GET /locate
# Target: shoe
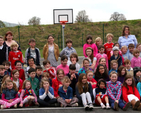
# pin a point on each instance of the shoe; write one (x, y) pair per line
(91, 106)
(135, 104)
(86, 107)
(108, 107)
(15, 106)
(139, 108)
(103, 106)
(127, 105)
(74, 105)
(116, 106)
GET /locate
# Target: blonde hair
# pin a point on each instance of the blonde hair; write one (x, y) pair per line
(66, 80)
(124, 47)
(113, 72)
(113, 61)
(13, 44)
(135, 51)
(24, 84)
(98, 39)
(109, 34)
(45, 74)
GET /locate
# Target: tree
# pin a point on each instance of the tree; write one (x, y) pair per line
(82, 17)
(2, 24)
(34, 21)
(117, 17)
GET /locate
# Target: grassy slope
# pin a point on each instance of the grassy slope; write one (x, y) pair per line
(77, 32)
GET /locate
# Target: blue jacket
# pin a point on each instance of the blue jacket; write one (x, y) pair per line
(9, 94)
(42, 91)
(66, 95)
(119, 59)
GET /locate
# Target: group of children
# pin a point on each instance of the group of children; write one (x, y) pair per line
(108, 77)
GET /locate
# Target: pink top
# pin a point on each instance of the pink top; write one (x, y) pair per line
(98, 56)
(65, 68)
(93, 46)
(135, 62)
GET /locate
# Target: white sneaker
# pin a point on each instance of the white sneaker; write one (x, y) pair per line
(86, 107)
(108, 107)
(103, 106)
(91, 106)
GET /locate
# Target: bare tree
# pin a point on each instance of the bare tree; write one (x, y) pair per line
(2, 24)
(34, 21)
(82, 17)
(117, 17)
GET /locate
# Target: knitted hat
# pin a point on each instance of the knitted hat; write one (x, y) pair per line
(115, 48)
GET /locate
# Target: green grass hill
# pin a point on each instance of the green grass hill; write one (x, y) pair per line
(77, 32)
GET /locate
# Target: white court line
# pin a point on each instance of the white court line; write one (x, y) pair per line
(56, 108)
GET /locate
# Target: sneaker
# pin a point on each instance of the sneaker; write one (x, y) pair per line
(91, 106)
(108, 107)
(116, 106)
(86, 107)
(127, 105)
(103, 106)
(15, 106)
(74, 105)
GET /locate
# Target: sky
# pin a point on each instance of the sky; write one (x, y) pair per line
(20, 11)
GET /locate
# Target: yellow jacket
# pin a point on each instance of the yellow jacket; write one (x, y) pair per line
(56, 51)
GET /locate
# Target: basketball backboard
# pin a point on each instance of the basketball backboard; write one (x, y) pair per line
(63, 15)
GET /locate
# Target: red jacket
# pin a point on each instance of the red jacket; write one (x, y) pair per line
(94, 82)
(108, 49)
(14, 56)
(55, 85)
(126, 92)
(20, 83)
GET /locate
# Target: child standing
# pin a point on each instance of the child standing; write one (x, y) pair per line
(3, 51)
(15, 78)
(84, 92)
(73, 77)
(114, 66)
(34, 81)
(39, 71)
(27, 94)
(46, 94)
(108, 46)
(32, 51)
(130, 93)
(89, 43)
(121, 73)
(9, 95)
(136, 60)
(48, 68)
(63, 65)
(98, 42)
(85, 67)
(18, 66)
(68, 50)
(129, 69)
(116, 56)
(131, 49)
(114, 89)
(100, 94)
(66, 94)
(15, 55)
(57, 82)
(100, 55)
(90, 79)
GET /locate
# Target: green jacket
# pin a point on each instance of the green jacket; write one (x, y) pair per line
(35, 85)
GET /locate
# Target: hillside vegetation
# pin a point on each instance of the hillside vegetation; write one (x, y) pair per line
(77, 32)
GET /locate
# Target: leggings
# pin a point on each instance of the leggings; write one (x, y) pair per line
(86, 97)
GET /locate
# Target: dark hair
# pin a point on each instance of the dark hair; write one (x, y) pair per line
(50, 36)
(1, 37)
(39, 68)
(64, 57)
(74, 55)
(17, 62)
(99, 81)
(120, 69)
(135, 51)
(138, 45)
(86, 60)
(2, 67)
(68, 41)
(115, 43)
(31, 58)
(127, 61)
(136, 69)
(91, 56)
(9, 32)
(72, 67)
(45, 62)
(123, 31)
(98, 75)
(31, 40)
(131, 45)
(101, 46)
(89, 37)
(31, 70)
(6, 63)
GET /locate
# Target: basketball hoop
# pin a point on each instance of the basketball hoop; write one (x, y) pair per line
(63, 23)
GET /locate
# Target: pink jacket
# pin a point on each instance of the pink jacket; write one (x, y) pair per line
(93, 46)
(98, 56)
(135, 62)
